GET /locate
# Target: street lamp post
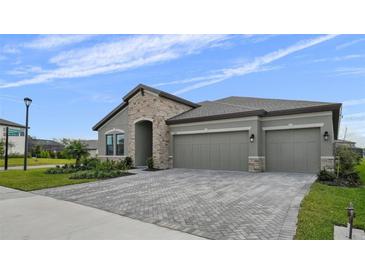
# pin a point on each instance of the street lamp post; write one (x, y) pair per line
(27, 102)
(6, 148)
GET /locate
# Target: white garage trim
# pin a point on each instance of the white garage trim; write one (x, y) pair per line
(296, 116)
(291, 126)
(211, 130)
(224, 121)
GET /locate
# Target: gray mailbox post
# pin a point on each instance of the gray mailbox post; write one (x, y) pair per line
(351, 215)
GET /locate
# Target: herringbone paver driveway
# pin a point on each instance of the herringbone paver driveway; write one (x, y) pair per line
(206, 203)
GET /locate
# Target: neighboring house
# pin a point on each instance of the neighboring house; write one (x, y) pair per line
(344, 143)
(233, 133)
(351, 145)
(16, 136)
(44, 144)
(92, 147)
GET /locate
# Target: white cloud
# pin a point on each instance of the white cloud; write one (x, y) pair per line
(348, 44)
(355, 102)
(10, 49)
(338, 58)
(55, 41)
(126, 53)
(256, 65)
(352, 71)
(355, 125)
(25, 70)
(354, 118)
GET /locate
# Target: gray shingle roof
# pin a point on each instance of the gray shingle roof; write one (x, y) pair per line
(4, 122)
(253, 106)
(91, 144)
(270, 104)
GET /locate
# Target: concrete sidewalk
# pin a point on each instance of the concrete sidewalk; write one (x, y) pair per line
(24, 215)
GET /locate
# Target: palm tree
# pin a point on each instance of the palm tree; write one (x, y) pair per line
(76, 149)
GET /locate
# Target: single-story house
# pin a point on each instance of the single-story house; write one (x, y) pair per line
(91, 146)
(16, 133)
(349, 144)
(232, 133)
(44, 144)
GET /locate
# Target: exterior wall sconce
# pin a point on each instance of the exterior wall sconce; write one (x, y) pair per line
(326, 136)
(252, 138)
(142, 92)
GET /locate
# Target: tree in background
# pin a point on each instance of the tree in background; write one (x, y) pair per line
(77, 150)
(2, 148)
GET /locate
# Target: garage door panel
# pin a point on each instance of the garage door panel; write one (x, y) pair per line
(293, 150)
(221, 151)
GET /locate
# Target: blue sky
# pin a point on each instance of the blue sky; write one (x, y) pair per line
(75, 80)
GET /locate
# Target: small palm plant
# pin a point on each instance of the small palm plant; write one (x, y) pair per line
(76, 150)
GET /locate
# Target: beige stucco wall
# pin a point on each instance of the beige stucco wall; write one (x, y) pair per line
(256, 125)
(118, 122)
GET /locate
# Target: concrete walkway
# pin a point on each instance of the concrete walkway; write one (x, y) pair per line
(24, 215)
(29, 167)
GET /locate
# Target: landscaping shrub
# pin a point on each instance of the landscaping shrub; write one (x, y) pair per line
(90, 163)
(347, 173)
(44, 154)
(150, 163)
(350, 179)
(61, 170)
(2, 148)
(98, 174)
(326, 176)
(348, 160)
(128, 162)
(92, 168)
(16, 155)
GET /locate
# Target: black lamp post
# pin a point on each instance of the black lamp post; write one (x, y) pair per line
(27, 102)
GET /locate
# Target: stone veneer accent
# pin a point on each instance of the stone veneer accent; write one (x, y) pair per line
(328, 163)
(159, 109)
(256, 163)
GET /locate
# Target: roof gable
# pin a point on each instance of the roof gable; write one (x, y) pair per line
(133, 92)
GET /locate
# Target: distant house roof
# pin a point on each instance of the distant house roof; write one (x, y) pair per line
(91, 144)
(4, 122)
(132, 93)
(46, 144)
(345, 142)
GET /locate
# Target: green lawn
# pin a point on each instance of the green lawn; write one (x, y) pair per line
(36, 162)
(34, 179)
(361, 169)
(325, 206)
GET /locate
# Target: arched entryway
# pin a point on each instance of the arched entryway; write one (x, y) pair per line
(143, 142)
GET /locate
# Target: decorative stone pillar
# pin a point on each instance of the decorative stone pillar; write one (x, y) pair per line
(328, 163)
(256, 163)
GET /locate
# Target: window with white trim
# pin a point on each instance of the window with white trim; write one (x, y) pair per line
(119, 140)
(109, 144)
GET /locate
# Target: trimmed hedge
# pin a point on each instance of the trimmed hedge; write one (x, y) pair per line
(98, 174)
